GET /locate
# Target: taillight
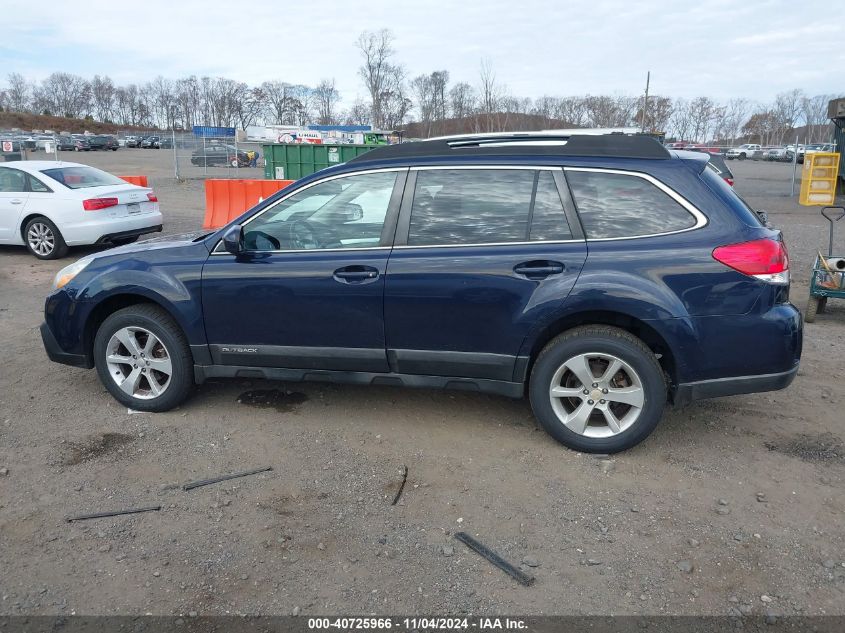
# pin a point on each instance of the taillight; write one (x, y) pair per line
(730, 181)
(764, 259)
(152, 197)
(95, 204)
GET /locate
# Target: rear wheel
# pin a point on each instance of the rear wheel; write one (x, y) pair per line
(43, 239)
(597, 389)
(742, 157)
(143, 358)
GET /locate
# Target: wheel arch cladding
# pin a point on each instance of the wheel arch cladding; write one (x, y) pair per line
(647, 332)
(116, 302)
(26, 220)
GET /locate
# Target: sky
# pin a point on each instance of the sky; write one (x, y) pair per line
(718, 48)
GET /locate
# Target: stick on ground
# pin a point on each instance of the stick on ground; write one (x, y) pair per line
(521, 577)
(214, 480)
(99, 515)
(401, 486)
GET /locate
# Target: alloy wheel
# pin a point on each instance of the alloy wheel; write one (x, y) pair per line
(139, 363)
(41, 239)
(597, 395)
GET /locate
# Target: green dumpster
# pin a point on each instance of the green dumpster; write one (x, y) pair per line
(292, 161)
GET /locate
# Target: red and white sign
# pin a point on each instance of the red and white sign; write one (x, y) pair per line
(7, 146)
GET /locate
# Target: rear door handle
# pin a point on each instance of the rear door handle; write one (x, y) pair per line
(356, 274)
(538, 269)
(16, 201)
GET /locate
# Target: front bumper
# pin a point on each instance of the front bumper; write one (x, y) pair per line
(58, 355)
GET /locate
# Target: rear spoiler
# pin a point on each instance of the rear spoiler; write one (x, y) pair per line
(696, 160)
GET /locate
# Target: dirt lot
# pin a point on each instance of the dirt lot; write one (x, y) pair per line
(732, 506)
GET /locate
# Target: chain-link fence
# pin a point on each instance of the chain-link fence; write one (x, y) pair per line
(200, 157)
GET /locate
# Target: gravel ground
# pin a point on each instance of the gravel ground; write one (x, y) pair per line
(732, 505)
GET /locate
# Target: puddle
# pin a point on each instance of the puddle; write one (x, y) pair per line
(272, 399)
(95, 446)
(811, 448)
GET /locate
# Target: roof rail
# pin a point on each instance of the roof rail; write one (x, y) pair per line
(551, 143)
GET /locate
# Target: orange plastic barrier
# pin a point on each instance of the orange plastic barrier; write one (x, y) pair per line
(141, 181)
(227, 199)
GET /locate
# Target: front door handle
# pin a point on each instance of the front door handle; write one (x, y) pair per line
(356, 274)
(16, 201)
(538, 269)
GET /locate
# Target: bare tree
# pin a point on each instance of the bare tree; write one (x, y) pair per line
(814, 111)
(102, 97)
(64, 94)
(462, 100)
(358, 114)
(787, 111)
(489, 96)
(326, 98)
(19, 93)
(378, 73)
(657, 115)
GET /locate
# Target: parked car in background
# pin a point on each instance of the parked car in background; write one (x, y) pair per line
(742, 152)
(165, 142)
(716, 162)
(48, 206)
(814, 148)
(65, 143)
(150, 142)
(602, 278)
(103, 142)
(701, 147)
(42, 141)
(220, 154)
(81, 144)
(133, 141)
(774, 153)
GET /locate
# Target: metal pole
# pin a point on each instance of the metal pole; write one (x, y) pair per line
(204, 155)
(794, 166)
(175, 155)
(645, 101)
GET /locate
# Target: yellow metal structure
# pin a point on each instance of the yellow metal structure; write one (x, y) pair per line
(818, 179)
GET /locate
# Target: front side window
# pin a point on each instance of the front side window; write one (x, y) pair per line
(621, 205)
(346, 212)
(12, 181)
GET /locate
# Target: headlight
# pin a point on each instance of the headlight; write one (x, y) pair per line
(66, 274)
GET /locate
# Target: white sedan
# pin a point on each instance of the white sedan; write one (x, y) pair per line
(48, 206)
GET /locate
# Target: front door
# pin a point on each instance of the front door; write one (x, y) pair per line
(13, 197)
(308, 290)
(481, 255)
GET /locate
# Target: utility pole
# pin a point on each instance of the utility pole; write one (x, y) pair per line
(645, 102)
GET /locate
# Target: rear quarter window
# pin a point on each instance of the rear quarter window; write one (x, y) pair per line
(615, 205)
(730, 197)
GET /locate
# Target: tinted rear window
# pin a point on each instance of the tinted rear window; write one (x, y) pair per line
(82, 177)
(620, 205)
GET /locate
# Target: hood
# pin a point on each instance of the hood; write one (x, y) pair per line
(158, 242)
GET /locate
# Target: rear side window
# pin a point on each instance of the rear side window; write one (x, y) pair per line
(730, 197)
(485, 206)
(82, 177)
(620, 205)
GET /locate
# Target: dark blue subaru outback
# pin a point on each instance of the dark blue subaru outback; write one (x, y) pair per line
(601, 276)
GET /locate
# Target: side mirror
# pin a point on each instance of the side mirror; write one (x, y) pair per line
(352, 212)
(233, 239)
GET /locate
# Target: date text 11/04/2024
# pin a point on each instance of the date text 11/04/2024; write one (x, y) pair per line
(418, 623)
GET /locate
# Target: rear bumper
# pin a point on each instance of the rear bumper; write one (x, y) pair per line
(96, 230)
(688, 392)
(121, 235)
(56, 354)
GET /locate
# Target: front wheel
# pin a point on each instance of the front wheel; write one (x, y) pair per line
(597, 389)
(742, 157)
(143, 358)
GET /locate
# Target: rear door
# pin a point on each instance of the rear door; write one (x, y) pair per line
(13, 197)
(481, 255)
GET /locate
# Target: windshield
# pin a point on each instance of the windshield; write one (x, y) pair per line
(82, 177)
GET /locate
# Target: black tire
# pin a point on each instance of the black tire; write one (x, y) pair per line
(812, 309)
(153, 319)
(59, 249)
(742, 157)
(822, 305)
(598, 339)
